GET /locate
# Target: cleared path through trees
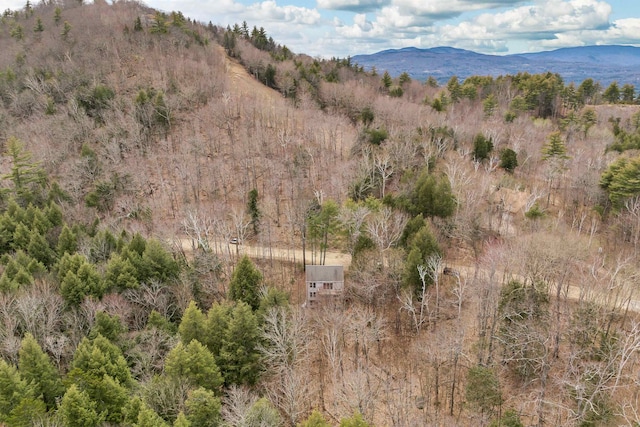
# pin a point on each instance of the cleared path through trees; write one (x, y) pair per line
(621, 299)
(269, 252)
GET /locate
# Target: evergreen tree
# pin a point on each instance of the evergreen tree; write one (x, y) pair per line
(628, 93)
(28, 178)
(17, 32)
(66, 29)
(203, 408)
(432, 196)
(137, 24)
(194, 363)
(482, 147)
(15, 393)
(355, 420)
(102, 371)
(131, 410)
(489, 105)
(96, 357)
(159, 322)
(509, 418)
(28, 412)
(36, 368)
(612, 93)
(263, 414)
(421, 246)
(240, 358)
(39, 27)
(554, 148)
(245, 283)
(159, 24)
(67, 241)
(254, 211)
(272, 298)
(455, 90)
(431, 82)
(8, 222)
(620, 180)
(193, 325)
(111, 397)
(508, 160)
(181, 421)
(19, 271)
(438, 104)
(229, 43)
(78, 410)
(411, 277)
(120, 274)
(322, 222)
(410, 229)
(588, 119)
(315, 420)
(217, 324)
(21, 237)
(157, 263)
(81, 282)
(110, 327)
(137, 244)
(39, 249)
(483, 389)
(386, 80)
(147, 417)
(587, 91)
(57, 15)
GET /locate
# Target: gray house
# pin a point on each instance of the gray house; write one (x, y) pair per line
(323, 282)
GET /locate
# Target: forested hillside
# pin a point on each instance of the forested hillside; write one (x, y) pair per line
(493, 228)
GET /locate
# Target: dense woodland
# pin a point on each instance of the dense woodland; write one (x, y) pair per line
(492, 227)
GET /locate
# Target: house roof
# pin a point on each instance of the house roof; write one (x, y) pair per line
(324, 273)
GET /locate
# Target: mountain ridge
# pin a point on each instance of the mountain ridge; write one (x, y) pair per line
(602, 63)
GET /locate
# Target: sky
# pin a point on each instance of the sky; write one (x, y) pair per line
(341, 28)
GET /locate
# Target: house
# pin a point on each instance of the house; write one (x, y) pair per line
(323, 282)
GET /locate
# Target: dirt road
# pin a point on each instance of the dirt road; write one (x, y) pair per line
(623, 298)
(626, 299)
(267, 253)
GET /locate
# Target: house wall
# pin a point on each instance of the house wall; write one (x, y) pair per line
(323, 281)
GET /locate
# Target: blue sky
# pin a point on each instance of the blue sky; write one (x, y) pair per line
(339, 28)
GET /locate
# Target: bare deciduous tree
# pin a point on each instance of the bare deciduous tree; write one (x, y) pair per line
(384, 167)
(199, 229)
(385, 228)
(236, 404)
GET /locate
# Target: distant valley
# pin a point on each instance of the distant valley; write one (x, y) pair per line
(604, 64)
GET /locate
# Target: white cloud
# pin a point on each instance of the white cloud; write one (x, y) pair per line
(445, 9)
(353, 5)
(623, 31)
(544, 23)
(270, 11)
(548, 23)
(12, 4)
(545, 17)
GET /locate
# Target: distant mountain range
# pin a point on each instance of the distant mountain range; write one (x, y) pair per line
(604, 64)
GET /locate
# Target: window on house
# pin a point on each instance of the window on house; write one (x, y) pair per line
(328, 286)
